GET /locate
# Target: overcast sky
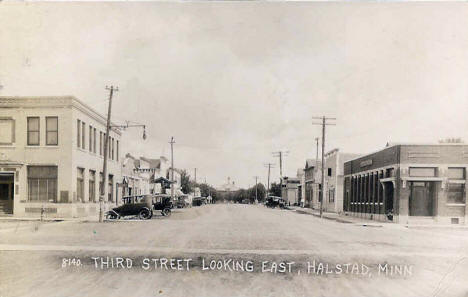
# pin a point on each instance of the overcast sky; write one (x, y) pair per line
(234, 82)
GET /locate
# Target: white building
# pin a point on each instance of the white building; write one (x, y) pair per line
(51, 157)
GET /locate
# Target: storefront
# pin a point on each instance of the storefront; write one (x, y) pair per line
(414, 184)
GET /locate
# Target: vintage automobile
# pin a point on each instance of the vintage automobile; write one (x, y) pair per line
(163, 203)
(140, 206)
(183, 201)
(273, 201)
(198, 201)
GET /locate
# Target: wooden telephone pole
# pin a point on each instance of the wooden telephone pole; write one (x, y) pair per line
(111, 89)
(269, 166)
(323, 123)
(172, 168)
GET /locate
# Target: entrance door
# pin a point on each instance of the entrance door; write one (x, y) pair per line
(421, 201)
(6, 193)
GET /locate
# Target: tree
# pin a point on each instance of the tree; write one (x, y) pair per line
(275, 189)
(185, 184)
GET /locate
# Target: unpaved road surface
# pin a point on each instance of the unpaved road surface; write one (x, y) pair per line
(277, 253)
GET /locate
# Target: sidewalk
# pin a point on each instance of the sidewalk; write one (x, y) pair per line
(342, 218)
(371, 223)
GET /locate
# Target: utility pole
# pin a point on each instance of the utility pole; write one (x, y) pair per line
(102, 195)
(269, 166)
(323, 123)
(195, 175)
(256, 189)
(281, 154)
(316, 158)
(172, 168)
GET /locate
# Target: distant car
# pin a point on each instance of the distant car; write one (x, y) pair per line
(140, 206)
(162, 203)
(245, 201)
(273, 201)
(183, 201)
(198, 201)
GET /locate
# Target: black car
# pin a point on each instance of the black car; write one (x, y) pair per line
(198, 201)
(162, 203)
(140, 206)
(274, 201)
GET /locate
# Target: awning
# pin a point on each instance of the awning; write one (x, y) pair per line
(161, 180)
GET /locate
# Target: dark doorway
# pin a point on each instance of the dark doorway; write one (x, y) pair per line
(6, 193)
(389, 193)
(421, 200)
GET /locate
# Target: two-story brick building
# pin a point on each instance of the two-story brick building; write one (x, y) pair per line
(409, 183)
(51, 157)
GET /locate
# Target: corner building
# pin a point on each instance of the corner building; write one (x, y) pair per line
(409, 184)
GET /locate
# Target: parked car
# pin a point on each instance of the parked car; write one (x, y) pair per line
(140, 206)
(183, 201)
(162, 203)
(273, 201)
(198, 201)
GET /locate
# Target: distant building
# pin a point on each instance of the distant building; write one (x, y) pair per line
(301, 187)
(312, 180)
(230, 186)
(51, 158)
(334, 178)
(289, 190)
(409, 183)
(226, 190)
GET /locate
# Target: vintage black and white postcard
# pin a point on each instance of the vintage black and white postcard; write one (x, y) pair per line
(233, 148)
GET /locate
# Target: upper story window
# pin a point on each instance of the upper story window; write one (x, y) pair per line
(33, 130)
(7, 131)
(83, 135)
(78, 133)
(329, 173)
(90, 138)
(52, 130)
(94, 140)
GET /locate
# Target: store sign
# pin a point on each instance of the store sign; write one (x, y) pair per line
(366, 163)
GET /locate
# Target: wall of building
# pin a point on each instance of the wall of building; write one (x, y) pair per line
(65, 155)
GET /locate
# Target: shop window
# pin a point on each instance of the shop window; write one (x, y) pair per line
(33, 130)
(92, 185)
(80, 184)
(422, 171)
(111, 188)
(52, 130)
(101, 184)
(456, 193)
(456, 173)
(42, 183)
(7, 131)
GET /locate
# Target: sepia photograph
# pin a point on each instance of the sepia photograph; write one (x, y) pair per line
(233, 148)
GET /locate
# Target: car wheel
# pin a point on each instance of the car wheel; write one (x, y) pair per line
(166, 212)
(111, 216)
(144, 214)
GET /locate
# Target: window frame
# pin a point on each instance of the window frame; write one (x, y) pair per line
(38, 131)
(56, 131)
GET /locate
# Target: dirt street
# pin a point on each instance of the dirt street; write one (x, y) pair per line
(231, 250)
